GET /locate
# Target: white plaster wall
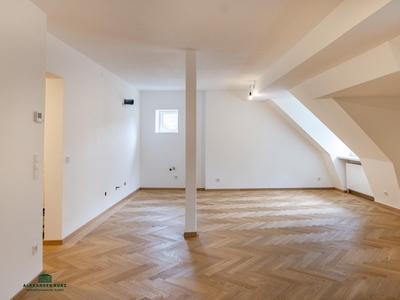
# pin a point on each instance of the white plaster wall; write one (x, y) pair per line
(383, 181)
(162, 151)
(249, 145)
(356, 179)
(339, 122)
(22, 90)
(379, 118)
(309, 126)
(101, 136)
(377, 166)
(366, 124)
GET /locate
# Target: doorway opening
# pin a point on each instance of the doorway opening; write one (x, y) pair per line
(53, 160)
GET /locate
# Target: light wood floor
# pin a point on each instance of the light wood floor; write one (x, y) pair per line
(252, 245)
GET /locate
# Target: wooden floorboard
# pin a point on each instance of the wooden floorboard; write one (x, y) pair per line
(266, 244)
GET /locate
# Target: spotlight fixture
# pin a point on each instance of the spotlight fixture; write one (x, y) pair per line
(251, 90)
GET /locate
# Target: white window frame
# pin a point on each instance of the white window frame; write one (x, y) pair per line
(160, 113)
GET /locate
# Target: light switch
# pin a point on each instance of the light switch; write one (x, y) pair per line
(35, 166)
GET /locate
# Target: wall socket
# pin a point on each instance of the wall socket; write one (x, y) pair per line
(318, 178)
(216, 179)
(35, 248)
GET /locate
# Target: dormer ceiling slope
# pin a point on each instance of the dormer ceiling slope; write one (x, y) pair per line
(347, 32)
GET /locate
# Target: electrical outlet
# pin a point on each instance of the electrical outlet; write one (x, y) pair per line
(176, 177)
(216, 179)
(35, 248)
(318, 178)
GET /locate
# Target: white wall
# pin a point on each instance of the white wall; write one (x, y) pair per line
(380, 120)
(101, 136)
(249, 145)
(309, 126)
(362, 119)
(356, 179)
(22, 88)
(162, 151)
(246, 145)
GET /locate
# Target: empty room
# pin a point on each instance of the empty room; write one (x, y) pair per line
(200, 149)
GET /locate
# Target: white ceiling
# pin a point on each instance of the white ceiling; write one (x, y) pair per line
(144, 41)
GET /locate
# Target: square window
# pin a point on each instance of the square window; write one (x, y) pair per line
(167, 121)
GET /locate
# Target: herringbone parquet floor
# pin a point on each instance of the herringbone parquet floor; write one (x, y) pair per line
(305, 244)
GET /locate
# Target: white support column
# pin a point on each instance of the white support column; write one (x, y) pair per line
(191, 189)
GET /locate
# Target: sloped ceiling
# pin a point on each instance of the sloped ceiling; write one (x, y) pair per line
(143, 41)
(385, 87)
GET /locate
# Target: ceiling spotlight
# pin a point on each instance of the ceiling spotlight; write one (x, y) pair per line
(251, 90)
(250, 96)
